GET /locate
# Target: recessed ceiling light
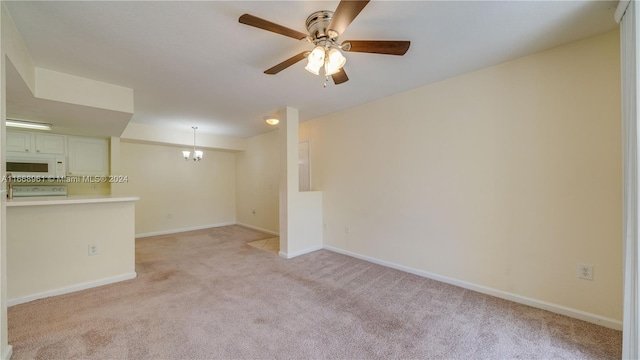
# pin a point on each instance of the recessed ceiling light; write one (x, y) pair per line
(271, 120)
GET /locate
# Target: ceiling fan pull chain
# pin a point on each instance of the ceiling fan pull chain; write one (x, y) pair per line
(326, 78)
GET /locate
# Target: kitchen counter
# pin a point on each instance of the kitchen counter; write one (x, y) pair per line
(58, 244)
(66, 200)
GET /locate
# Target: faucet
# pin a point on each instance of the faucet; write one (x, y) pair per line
(9, 180)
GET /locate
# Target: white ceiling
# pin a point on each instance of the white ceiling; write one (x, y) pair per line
(192, 63)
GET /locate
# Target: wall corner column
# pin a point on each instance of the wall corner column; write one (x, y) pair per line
(287, 144)
(300, 212)
(628, 14)
(5, 348)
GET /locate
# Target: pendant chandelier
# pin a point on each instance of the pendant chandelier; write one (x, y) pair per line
(197, 154)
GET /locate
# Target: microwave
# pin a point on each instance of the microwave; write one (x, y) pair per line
(36, 165)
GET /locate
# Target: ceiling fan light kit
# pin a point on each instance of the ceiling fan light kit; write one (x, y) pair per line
(324, 28)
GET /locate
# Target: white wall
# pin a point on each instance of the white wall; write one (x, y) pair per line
(52, 257)
(11, 46)
(14, 48)
(176, 194)
(506, 178)
(67, 88)
(180, 137)
(257, 171)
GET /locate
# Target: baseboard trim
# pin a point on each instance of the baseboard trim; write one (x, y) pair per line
(73, 288)
(259, 229)
(8, 352)
(175, 231)
(555, 308)
(298, 253)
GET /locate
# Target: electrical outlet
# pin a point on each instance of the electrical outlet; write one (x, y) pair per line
(169, 216)
(253, 211)
(347, 229)
(585, 272)
(93, 249)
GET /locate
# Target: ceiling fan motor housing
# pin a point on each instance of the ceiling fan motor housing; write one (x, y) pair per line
(318, 22)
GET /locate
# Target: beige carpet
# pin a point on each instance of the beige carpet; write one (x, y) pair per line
(207, 295)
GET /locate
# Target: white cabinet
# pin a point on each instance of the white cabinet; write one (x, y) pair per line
(49, 144)
(26, 142)
(19, 141)
(88, 156)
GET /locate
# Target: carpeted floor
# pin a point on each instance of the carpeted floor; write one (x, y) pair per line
(207, 295)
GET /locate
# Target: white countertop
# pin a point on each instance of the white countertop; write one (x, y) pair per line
(67, 200)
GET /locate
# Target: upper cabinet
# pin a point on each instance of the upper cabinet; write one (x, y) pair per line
(19, 141)
(26, 142)
(88, 156)
(49, 144)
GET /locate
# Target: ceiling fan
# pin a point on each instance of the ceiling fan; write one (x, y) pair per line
(324, 28)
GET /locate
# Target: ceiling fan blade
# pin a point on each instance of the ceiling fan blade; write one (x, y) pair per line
(340, 77)
(285, 64)
(346, 11)
(388, 47)
(254, 21)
